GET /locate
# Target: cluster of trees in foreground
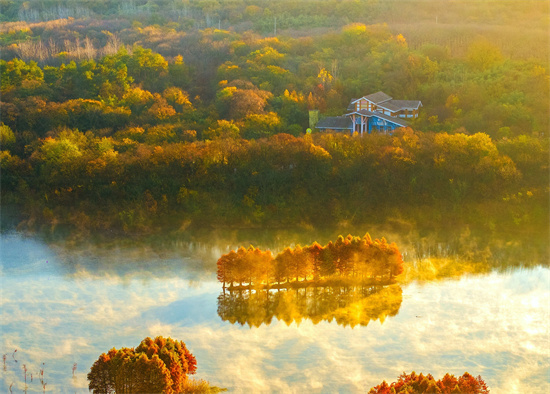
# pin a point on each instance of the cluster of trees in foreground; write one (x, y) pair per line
(350, 257)
(159, 365)
(449, 384)
(345, 305)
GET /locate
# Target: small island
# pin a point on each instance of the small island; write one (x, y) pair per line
(348, 260)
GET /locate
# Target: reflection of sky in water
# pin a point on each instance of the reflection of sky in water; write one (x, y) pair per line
(61, 312)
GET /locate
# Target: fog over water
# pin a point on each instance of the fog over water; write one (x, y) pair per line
(64, 303)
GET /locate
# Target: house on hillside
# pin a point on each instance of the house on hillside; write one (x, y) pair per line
(376, 112)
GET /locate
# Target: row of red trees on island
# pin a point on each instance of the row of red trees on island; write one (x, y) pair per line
(351, 257)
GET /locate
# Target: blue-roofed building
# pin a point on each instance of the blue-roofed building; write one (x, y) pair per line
(375, 112)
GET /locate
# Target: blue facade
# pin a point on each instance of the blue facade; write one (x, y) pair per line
(362, 122)
(376, 123)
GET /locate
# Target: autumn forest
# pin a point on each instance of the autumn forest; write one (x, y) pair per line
(153, 121)
(172, 122)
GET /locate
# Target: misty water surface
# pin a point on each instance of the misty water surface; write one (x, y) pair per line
(67, 302)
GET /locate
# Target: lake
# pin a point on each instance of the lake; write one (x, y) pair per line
(64, 302)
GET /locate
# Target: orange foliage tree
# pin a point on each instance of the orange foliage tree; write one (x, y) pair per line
(413, 383)
(155, 366)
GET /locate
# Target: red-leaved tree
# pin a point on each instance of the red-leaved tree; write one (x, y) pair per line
(413, 383)
(155, 366)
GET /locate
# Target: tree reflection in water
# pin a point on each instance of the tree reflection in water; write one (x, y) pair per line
(347, 305)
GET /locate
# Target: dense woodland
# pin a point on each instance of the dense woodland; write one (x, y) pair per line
(137, 115)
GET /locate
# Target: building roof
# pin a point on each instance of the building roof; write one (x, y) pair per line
(376, 98)
(335, 123)
(398, 105)
(381, 99)
(392, 119)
